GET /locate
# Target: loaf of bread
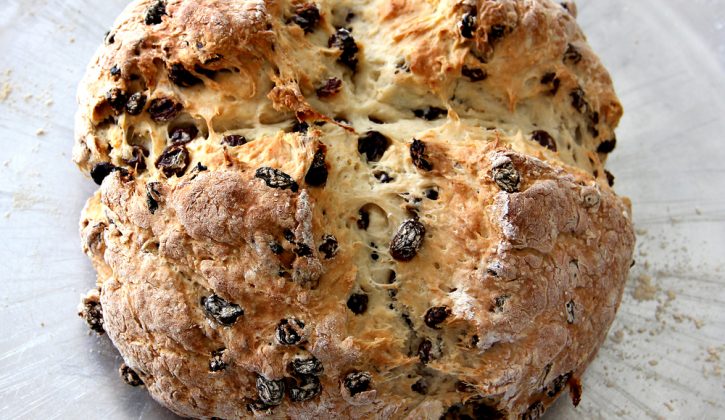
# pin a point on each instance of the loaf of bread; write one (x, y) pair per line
(352, 209)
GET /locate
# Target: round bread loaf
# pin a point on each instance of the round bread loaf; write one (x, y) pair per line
(352, 209)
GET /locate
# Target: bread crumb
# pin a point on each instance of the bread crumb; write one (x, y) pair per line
(669, 406)
(5, 91)
(653, 362)
(40, 132)
(645, 290)
(618, 336)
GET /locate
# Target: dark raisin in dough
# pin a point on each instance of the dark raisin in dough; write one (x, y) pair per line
(363, 221)
(407, 241)
(474, 74)
(100, 171)
(180, 76)
(534, 412)
(331, 87)
(93, 315)
(424, 349)
(173, 160)
(130, 376)
(306, 17)
(153, 196)
(274, 178)
(468, 24)
(308, 388)
(607, 146)
(216, 363)
(420, 386)
(431, 113)
(419, 155)
(183, 135)
(358, 303)
(136, 103)
(373, 145)
(317, 174)
(436, 315)
(234, 140)
(357, 382)
(117, 98)
(343, 40)
(164, 109)
(329, 246)
(307, 365)
(544, 139)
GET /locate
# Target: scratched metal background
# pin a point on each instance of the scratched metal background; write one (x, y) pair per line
(662, 358)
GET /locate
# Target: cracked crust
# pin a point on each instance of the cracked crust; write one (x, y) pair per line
(228, 255)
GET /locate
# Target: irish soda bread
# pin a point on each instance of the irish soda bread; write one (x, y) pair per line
(352, 209)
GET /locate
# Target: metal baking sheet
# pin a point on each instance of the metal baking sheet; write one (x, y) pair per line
(664, 355)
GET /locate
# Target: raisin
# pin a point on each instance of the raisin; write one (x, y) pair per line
(610, 178)
(307, 365)
(274, 178)
(373, 144)
(570, 307)
(270, 392)
(287, 331)
(302, 250)
(506, 177)
(183, 135)
(306, 17)
(138, 159)
(217, 363)
(93, 315)
(100, 171)
(544, 139)
(300, 127)
(331, 87)
(276, 248)
(363, 221)
(575, 391)
(234, 140)
(578, 101)
(499, 302)
(343, 40)
(424, 349)
(136, 103)
(431, 194)
(164, 109)
(317, 174)
(408, 240)
(180, 76)
(115, 71)
(420, 386)
(430, 113)
(258, 406)
(357, 382)
(173, 160)
(557, 385)
(309, 388)
(153, 196)
(534, 412)
(129, 375)
(223, 312)
(117, 98)
(572, 54)
(419, 156)
(474, 74)
(467, 25)
(329, 246)
(383, 177)
(358, 303)
(553, 81)
(607, 146)
(463, 386)
(289, 236)
(110, 38)
(154, 13)
(436, 315)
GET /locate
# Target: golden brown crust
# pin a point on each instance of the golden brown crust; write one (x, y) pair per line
(231, 242)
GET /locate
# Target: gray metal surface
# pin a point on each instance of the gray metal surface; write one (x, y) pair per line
(664, 355)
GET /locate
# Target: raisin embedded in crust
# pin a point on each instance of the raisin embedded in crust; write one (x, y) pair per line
(220, 310)
(424, 349)
(100, 171)
(358, 303)
(306, 17)
(288, 331)
(474, 74)
(308, 388)
(129, 375)
(607, 146)
(216, 363)
(183, 135)
(182, 77)
(317, 174)
(270, 392)
(234, 140)
(155, 12)
(117, 98)
(92, 313)
(506, 177)
(544, 139)
(136, 104)
(467, 24)
(331, 87)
